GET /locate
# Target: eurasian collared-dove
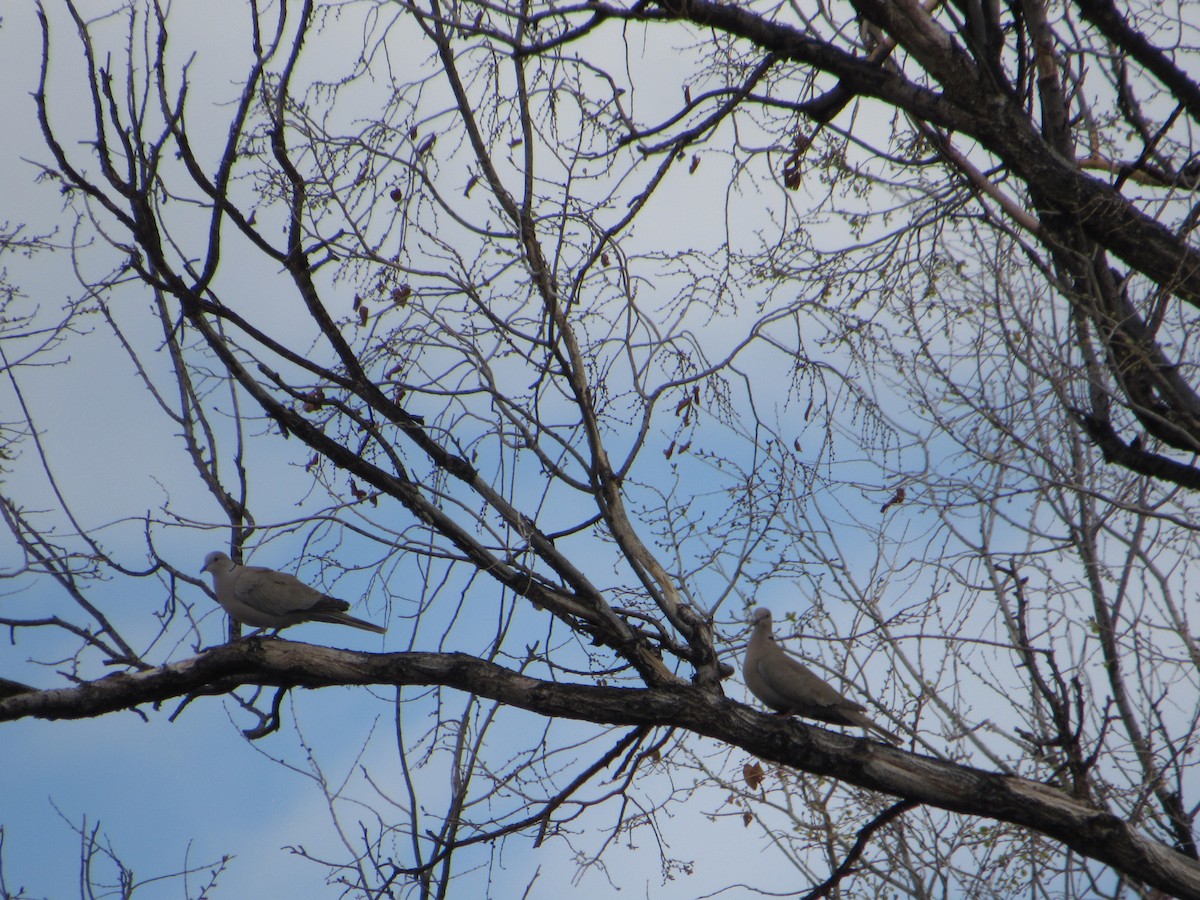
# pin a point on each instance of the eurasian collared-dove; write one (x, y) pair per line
(264, 598)
(792, 688)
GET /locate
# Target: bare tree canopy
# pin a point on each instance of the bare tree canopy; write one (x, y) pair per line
(556, 339)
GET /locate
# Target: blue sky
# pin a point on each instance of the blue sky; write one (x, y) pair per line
(195, 789)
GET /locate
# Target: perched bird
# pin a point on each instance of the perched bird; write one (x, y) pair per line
(264, 598)
(791, 688)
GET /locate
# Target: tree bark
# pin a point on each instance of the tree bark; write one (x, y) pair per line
(1092, 832)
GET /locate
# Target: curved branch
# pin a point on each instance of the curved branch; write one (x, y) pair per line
(1092, 832)
(1105, 15)
(972, 105)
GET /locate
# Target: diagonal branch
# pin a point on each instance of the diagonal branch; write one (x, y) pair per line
(1092, 832)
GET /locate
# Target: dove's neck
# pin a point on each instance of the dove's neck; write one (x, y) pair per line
(224, 574)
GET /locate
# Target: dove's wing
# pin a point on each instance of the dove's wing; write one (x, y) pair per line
(797, 684)
(275, 593)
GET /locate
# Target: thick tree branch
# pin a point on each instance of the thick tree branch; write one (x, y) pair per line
(1105, 15)
(972, 105)
(1092, 832)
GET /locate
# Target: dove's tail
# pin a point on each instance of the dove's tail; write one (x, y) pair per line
(341, 618)
(864, 722)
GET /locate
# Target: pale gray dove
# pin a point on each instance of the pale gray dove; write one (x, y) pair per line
(264, 598)
(789, 687)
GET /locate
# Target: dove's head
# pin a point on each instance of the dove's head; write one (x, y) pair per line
(216, 560)
(762, 614)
